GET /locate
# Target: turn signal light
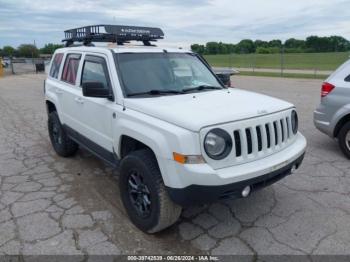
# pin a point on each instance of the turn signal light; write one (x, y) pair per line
(183, 159)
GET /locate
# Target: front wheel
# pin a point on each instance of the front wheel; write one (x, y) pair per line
(143, 193)
(344, 139)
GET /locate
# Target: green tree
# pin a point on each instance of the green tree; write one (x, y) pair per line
(327, 44)
(294, 43)
(245, 46)
(222, 48)
(212, 48)
(8, 51)
(50, 48)
(199, 49)
(312, 43)
(339, 44)
(291, 45)
(317, 44)
(262, 50)
(28, 50)
(260, 43)
(275, 50)
(275, 43)
(230, 48)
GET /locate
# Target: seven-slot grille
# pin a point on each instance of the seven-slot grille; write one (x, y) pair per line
(255, 138)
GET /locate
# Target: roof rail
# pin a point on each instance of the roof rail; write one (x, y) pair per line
(119, 34)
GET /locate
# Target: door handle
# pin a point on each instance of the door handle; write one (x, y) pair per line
(58, 91)
(79, 100)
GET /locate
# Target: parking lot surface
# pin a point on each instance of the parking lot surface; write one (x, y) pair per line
(53, 205)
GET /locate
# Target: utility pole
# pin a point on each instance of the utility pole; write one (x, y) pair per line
(12, 69)
(1, 68)
(33, 55)
(254, 62)
(282, 60)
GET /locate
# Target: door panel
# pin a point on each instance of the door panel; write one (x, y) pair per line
(96, 119)
(70, 106)
(68, 90)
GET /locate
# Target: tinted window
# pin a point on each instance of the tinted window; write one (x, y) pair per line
(347, 79)
(55, 66)
(70, 69)
(95, 70)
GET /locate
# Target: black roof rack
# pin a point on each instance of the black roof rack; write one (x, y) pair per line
(119, 34)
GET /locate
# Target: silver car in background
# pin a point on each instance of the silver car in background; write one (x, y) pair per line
(332, 116)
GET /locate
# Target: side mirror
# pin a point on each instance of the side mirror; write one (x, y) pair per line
(96, 89)
(225, 74)
(225, 79)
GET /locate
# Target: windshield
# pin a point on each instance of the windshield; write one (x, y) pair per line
(164, 74)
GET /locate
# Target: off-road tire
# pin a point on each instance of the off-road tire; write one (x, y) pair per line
(342, 139)
(163, 212)
(63, 145)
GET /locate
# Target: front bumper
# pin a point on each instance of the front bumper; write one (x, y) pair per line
(176, 175)
(199, 183)
(199, 194)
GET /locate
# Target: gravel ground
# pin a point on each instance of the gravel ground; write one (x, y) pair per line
(52, 205)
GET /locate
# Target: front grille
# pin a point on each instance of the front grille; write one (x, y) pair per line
(261, 137)
(249, 140)
(237, 139)
(254, 138)
(275, 131)
(258, 133)
(267, 130)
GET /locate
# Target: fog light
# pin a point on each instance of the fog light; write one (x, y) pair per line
(293, 169)
(246, 191)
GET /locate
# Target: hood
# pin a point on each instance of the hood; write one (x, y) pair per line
(197, 110)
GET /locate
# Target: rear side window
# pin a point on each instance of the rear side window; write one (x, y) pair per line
(56, 64)
(95, 70)
(70, 68)
(347, 79)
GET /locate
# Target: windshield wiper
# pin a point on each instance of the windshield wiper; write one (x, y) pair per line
(202, 87)
(156, 92)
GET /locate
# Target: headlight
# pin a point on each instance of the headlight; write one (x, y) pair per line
(294, 119)
(217, 144)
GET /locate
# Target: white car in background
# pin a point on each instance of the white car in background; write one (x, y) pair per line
(5, 63)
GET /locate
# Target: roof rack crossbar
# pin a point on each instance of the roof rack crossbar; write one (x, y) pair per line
(112, 33)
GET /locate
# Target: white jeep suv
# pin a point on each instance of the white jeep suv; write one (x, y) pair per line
(178, 136)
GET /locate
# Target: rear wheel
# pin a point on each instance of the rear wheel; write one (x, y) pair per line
(344, 139)
(143, 193)
(63, 145)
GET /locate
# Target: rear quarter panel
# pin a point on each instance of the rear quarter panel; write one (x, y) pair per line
(336, 104)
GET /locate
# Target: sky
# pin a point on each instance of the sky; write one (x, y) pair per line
(183, 21)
